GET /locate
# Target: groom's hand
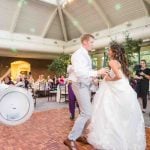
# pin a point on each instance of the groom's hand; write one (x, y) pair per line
(95, 81)
(103, 71)
(107, 77)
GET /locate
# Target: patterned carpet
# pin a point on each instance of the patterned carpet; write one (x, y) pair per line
(44, 131)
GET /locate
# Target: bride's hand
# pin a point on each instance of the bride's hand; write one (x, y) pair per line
(107, 77)
(103, 71)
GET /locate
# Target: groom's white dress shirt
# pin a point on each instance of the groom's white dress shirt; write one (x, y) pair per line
(81, 83)
(82, 66)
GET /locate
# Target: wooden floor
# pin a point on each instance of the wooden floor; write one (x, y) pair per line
(44, 131)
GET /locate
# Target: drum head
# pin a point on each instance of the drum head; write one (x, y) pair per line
(16, 106)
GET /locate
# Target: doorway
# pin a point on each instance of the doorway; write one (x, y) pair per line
(19, 68)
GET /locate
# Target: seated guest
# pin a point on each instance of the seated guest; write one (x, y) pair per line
(31, 81)
(50, 82)
(8, 81)
(20, 83)
(55, 82)
(61, 80)
(40, 84)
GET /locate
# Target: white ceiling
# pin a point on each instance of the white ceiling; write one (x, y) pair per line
(48, 20)
(54, 2)
(31, 16)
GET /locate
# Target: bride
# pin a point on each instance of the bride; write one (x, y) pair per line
(117, 122)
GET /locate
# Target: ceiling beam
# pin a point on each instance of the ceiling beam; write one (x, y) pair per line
(62, 21)
(16, 16)
(143, 3)
(147, 1)
(26, 54)
(49, 23)
(74, 21)
(101, 12)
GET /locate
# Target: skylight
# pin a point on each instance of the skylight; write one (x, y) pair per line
(54, 2)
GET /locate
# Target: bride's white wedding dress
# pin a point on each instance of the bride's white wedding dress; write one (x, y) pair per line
(117, 121)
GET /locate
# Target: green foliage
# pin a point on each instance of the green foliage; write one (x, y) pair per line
(59, 65)
(131, 47)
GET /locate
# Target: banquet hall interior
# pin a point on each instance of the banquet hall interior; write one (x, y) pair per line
(37, 39)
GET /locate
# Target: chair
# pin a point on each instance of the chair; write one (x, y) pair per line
(52, 92)
(42, 89)
(63, 88)
(34, 96)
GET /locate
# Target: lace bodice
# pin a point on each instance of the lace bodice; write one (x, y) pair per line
(112, 74)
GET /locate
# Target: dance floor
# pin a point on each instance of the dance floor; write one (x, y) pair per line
(44, 131)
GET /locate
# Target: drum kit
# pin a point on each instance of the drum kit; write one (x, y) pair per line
(16, 105)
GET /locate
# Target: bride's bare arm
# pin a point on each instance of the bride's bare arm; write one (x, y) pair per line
(115, 66)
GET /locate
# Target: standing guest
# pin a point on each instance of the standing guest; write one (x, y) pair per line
(20, 82)
(72, 97)
(82, 66)
(142, 87)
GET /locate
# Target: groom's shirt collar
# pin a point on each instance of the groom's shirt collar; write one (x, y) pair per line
(84, 50)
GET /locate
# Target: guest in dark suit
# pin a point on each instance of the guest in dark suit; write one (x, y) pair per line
(142, 87)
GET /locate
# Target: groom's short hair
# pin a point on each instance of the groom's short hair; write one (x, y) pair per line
(86, 37)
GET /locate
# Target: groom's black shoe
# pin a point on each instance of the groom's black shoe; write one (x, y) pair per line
(82, 139)
(72, 117)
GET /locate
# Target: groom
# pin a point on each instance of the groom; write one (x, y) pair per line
(83, 74)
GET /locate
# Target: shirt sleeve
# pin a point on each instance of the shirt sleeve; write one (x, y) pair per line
(81, 67)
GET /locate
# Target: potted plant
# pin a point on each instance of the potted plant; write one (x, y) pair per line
(59, 65)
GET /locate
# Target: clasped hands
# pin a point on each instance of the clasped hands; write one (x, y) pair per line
(104, 72)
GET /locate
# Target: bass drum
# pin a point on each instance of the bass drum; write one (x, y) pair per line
(16, 105)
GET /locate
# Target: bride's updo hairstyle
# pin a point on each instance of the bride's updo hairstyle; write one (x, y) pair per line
(119, 55)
